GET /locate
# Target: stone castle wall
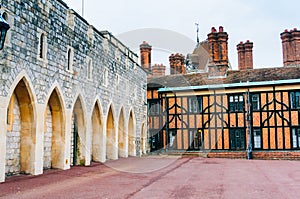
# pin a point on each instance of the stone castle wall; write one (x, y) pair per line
(51, 48)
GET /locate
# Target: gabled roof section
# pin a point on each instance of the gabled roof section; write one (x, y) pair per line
(199, 59)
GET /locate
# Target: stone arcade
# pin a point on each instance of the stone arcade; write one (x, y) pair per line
(70, 94)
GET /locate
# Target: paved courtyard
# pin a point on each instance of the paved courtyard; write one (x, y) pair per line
(163, 177)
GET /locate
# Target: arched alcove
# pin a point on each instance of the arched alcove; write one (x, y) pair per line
(110, 136)
(97, 135)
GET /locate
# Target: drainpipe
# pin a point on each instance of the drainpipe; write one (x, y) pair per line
(249, 127)
(167, 123)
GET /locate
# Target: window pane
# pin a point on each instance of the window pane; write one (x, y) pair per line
(199, 99)
(191, 137)
(236, 98)
(154, 108)
(231, 107)
(195, 105)
(292, 99)
(255, 102)
(294, 138)
(241, 98)
(297, 103)
(232, 139)
(236, 103)
(242, 139)
(241, 106)
(172, 138)
(257, 138)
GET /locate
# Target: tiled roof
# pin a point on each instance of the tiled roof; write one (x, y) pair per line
(233, 76)
(200, 56)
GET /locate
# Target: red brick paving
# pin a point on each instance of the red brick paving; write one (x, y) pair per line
(163, 177)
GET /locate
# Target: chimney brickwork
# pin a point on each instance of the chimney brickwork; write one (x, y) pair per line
(241, 55)
(158, 70)
(177, 64)
(245, 55)
(291, 47)
(145, 50)
(218, 51)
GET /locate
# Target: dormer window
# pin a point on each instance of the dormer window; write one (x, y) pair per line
(295, 100)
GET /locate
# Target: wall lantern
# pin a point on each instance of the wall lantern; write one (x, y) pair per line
(4, 27)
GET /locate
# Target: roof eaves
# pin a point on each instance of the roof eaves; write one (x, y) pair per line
(232, 85)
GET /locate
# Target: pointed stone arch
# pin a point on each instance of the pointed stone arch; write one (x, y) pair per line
(111, 138)
(54, 131)
(122, 137)
(21, 131)
(131, 135)
(97, 133)
(78, 134)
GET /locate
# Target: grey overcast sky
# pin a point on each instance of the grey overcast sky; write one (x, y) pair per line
(260, 21)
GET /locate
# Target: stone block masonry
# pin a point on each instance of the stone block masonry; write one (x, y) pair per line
(13, 142)
(55, 64)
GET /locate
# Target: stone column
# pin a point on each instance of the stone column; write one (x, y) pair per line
(103, 141)
(39, 138)
(88, 140)
(67, 141)
(3, 129)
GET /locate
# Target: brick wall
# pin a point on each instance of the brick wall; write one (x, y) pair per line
(228, 154)
(277, 155)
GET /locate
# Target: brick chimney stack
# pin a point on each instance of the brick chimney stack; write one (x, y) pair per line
(218, 51)
(177, 64)
(296, 44)
(245, 55)
(241, 55)
(145, 50)
(158, 70)
(213, 45)
(291, 47)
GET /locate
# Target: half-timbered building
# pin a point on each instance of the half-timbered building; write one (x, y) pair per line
(229, 113)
